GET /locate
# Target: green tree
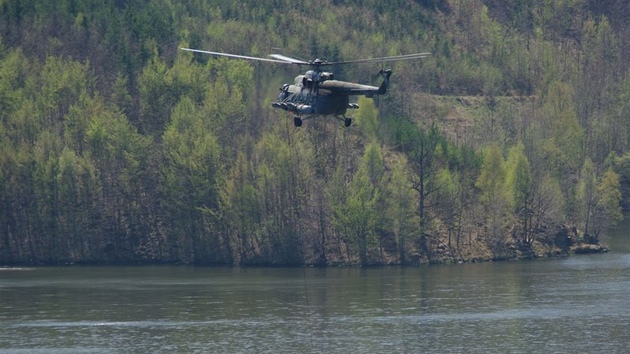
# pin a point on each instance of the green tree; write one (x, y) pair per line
(518, 188)
(78, 190)
(595, 91)
(424, 158)
(587, 196)
(367, 118)
(162, 87)
(45, 167)
(359, 214)
(224, 104)
(608, 208)
(374, 165)
(518, 178)
(492, 176)
(547, 207)
(599, 67)
(61, 82)
(491, 185)
(241, 210)
(191, 171)
(16, 79)
(428, 156)
(278, 179)
(354, 206)
(451, 204)
(563, 134)
(400, 207)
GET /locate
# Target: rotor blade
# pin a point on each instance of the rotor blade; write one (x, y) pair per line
(237, 56)
(393, 58)
(288, 59)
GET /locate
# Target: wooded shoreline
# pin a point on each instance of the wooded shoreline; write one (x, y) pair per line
(116, 147)
(563, 247)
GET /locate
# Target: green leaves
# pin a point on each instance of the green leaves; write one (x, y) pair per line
(492, 175)
(115, 145)
(518, 179)
(191, 170)
(356, 212)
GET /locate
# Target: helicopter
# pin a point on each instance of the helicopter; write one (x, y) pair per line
(316, 92)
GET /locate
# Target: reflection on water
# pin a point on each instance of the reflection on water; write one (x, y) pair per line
(576, 304)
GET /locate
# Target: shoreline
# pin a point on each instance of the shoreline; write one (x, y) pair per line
(518, 255)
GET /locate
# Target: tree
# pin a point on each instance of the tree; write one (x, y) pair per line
(279, 176)
(374, 165)
(367, 118)
(62, 84)
(191, 172)
(451, 203)
(15, 72)
(122, 161)
(423, 157)
(78, 191)
(336, 196)
(600, 75)
(491, 185)
(547, 205)
(518, 188)
(608, 209)
(360, 214)
(400, 207)
(355, 211)
(162, 87)
(240, 210)
(587, 196)
(562, 133)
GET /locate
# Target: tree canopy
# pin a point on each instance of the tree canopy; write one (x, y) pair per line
(117, 147)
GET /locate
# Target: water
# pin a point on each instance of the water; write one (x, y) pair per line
(578, 304)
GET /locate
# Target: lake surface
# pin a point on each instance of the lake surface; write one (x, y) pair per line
(578, 304)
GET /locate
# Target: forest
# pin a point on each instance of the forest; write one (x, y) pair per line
(512, 140)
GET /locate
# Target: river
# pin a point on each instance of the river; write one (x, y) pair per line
(578, 304)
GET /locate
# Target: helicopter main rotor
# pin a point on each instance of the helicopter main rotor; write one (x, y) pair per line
(316, 63)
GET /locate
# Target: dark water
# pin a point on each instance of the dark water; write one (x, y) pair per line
(578, 304)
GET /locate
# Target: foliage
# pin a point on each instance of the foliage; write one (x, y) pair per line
(117, 147)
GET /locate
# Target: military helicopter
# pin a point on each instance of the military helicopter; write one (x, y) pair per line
(317, 93)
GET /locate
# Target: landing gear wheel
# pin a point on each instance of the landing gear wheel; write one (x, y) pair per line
(297, 121)
(347, 122)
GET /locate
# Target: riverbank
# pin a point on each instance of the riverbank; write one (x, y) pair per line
(438, 249)
(477, 253)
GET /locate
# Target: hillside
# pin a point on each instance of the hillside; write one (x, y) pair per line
(116, 147)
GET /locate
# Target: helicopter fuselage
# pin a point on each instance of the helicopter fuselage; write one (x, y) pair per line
(310, 99)
(317, 93)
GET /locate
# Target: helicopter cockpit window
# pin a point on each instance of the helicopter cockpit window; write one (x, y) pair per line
(284, 92)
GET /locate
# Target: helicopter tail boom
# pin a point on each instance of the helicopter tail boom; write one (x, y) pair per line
(383, 88)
